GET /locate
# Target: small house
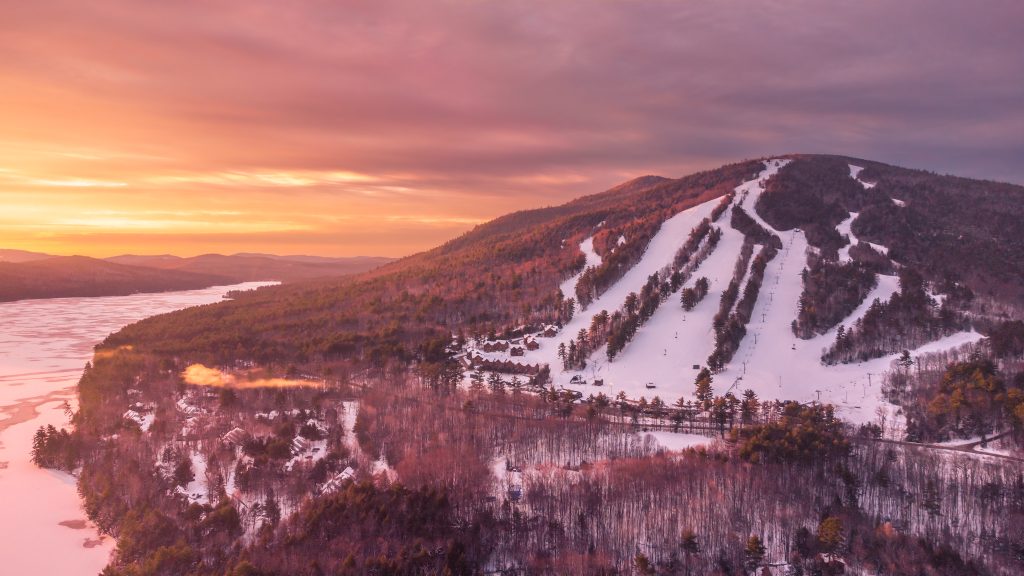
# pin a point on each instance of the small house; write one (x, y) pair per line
(300, 445)
(335, 483)
(517, 351)
(235, 437)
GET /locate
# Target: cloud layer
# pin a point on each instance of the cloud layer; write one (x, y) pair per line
(385, 127)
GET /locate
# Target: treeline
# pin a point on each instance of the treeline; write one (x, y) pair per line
(832, 291)
(752, 230)
(53, 448)
(617, 258)
(949, 228)
(815, 194)
(976, 394)
(731, 324)
(909, 319)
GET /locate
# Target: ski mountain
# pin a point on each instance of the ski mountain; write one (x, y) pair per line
(800, 364)
(811, 275)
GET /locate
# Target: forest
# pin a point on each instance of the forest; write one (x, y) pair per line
(447, 481)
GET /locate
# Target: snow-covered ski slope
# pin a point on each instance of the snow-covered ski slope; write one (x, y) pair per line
(770, 359)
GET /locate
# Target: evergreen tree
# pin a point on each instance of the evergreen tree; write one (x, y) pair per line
(830, 534)
(689, 542)
(704, 392)
(753, 553)
(749, 406)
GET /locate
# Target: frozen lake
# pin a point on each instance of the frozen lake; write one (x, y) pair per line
(44, 345)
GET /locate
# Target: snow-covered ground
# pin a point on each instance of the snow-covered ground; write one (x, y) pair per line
(855, 174)
(673, 344)
(198, 490)
(674, 442)
(593, 260)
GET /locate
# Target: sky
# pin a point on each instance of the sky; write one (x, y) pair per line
(387, 127)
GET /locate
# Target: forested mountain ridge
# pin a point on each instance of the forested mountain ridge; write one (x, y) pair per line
(257, 267)
(79, 276)
(710, 375)
(500, 274)
(33, 275)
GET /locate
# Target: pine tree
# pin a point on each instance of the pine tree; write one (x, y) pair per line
(704, 392)
(494, 382)
(642, 564)
(905, 361)
(753, 553)
(830, 533)
(689, 542)
(748, 409)
(476, 381)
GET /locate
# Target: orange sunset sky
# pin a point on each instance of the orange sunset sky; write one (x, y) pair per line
(387, 127)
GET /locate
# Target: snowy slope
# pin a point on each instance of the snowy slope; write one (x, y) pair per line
(776, 364)
(667, 347)
(662, 248)
(770, 360)
(593, 260)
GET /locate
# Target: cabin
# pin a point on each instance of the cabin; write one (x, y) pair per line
(299, 445)
(494, 346)
(577, 379)
(235, 437)
(517, 351)
(549, 332)
(335, 483)
(599, 382)
(532, 344)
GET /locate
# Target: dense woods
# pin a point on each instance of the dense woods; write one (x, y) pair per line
(448, 482)
(910, 318)
(976, 392)
(832, 291)
(815, 194)
(951, 229)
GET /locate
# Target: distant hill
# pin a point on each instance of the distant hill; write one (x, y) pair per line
(247, 267)
(34, 275)
(78, 276)
(21, 256)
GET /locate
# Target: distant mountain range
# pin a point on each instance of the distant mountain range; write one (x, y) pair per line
(28, 275)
